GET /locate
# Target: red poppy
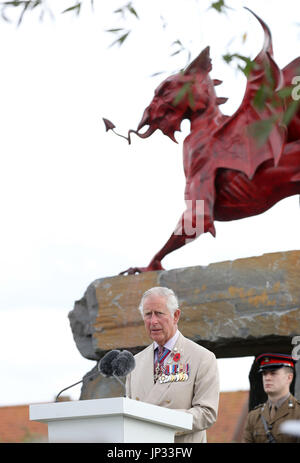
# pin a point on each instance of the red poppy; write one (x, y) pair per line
(176, 357)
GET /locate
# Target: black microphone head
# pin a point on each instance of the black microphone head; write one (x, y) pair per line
(123, 364)
(105, 365)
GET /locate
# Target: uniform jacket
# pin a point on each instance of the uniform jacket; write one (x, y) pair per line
(199, 395)
(255, 431)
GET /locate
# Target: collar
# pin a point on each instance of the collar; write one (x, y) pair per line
(170, 343)
(279, 402)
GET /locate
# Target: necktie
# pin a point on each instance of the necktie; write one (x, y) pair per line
(162, 353)
(160, 350)
(272, 411)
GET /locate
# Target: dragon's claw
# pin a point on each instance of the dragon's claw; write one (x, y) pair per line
(153, 266)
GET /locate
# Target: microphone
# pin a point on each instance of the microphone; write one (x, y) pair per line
(116, 363)
(90, 377)
(123, 364)
(105, 364)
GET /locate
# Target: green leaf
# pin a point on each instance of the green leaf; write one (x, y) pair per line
(177, 42)
(261, 97)
(285, 92)
(261, 130)
(176, 52)
(34, 4)
(290, 112)
(184, 89)
(133, 11)
(26, 6)
(249, 64)
(119, 10)
(123, 37)
(73, 8)
(191, 98)
(120, 40)
(114, 30)
(219, 6)
(125, 8)
(228, 58)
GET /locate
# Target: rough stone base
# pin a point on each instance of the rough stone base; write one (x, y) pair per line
(234, 308)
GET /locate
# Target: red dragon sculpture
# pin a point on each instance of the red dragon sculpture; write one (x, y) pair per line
(229, 171)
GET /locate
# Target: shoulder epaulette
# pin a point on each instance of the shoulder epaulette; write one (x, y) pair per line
(257, 406)
(295, 399)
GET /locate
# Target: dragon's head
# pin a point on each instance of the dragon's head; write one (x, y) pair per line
(178, 97)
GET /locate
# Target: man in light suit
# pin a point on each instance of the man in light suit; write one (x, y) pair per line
(183, 377)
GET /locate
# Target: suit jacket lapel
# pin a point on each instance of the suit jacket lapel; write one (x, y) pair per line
(282, 411)
(266, 413)
(147, 368)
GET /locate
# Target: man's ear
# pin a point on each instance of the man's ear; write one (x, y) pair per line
(177, 315)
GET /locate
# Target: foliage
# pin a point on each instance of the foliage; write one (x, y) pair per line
(121, 34)
(219, 6)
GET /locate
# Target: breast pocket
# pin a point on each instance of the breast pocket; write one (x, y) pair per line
(260, 437)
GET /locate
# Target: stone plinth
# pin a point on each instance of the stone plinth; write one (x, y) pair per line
(234, 308)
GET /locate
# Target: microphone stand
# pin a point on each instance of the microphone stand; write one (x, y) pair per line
(90, 377)
(75, 384)
(121, 382)
(78, 382)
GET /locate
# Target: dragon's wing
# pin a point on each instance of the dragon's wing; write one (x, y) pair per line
(232, 145)
(236, 142)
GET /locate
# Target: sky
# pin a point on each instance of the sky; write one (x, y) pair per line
(77, 203)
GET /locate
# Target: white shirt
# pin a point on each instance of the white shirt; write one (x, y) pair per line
(169, 345)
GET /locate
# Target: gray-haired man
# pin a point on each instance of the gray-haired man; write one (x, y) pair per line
(174, 372)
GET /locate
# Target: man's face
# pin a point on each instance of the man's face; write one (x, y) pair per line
(277, 382)
(159, 323)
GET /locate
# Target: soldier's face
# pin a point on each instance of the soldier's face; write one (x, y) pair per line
(277, 382)
(159, 323)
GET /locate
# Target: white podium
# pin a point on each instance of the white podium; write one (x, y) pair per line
(114, 420)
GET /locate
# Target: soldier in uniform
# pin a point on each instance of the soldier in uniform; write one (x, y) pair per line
(264, 421)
